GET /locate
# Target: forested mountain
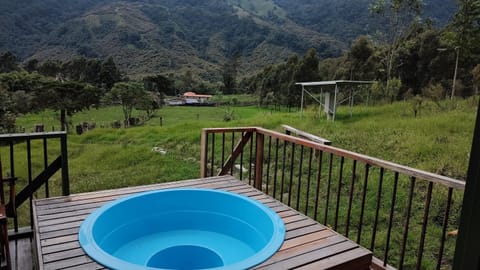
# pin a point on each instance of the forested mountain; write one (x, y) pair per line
(147, 37)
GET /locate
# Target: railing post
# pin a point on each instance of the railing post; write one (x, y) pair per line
(203, 154)
(259, 161)
(65, 179)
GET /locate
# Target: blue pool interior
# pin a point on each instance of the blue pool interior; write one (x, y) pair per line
(182, 229)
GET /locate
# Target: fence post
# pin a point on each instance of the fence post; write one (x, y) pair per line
(203, 154)
(65, 179)
(259, 161)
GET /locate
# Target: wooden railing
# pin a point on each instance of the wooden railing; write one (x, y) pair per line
(33, 159)
(401, 214)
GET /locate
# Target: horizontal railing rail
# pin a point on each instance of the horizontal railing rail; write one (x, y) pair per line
(33, 159)
(400, 213)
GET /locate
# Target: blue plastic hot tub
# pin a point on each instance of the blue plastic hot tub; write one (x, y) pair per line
(182, 229)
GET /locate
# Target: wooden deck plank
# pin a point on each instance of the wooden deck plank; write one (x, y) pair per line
(19, 250)
(307, 243)
(355, 259)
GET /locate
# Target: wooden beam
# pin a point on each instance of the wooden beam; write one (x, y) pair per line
(41, 179)
(227, 166)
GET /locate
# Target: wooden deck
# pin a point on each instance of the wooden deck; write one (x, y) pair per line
(308, 244)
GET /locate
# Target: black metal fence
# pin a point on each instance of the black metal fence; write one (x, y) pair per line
(403, 215)
(33, 159)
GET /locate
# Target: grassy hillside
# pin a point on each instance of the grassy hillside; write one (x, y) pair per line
(437, 141)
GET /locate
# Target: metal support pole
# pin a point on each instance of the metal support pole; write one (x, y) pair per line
(351, 102)
(301, 103)
(335, 103)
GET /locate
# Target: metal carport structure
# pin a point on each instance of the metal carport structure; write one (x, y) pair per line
(330, 106)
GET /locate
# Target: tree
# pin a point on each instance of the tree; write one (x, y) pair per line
(359, 55)
(307, 68)
(31, 65)
(476, 77)
(150, 102)
(434, 92)
(67, 97)
(159, 84)
(463, 37)
(50, 68)
(7, 118)
(466, 28)
(128, 94)
(398, 14)
(109, 74)
(229, 74)
(8, 62)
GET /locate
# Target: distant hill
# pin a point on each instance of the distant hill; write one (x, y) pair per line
(158, 36)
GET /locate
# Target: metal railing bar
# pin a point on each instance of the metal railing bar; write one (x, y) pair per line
(350, 199)
(275, 173)
(282, 186)
(223, 148)
(29, 173)
(377, 209)
(424, 225)
(233, 143)
(339, 192)
(309, 175)
(292, 159)
(268, 162)
(362, 208)
(45, 164)
(250, 161)
(317, 191)
(329, 182)
(299, 184)
(444, 228)
(241, 159)
(12, 175)
(390, 221)
(407, 222)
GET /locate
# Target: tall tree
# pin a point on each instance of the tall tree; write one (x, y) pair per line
(67, 97)
(229, 74)
(159, 84)
(50, 68)
(307, 69)
(109, 73)
(359, 55)
(5, 111)
(463, 37)
(466, 28)
(398, 16)
(8, 62)
(476, 78)
(129, 94)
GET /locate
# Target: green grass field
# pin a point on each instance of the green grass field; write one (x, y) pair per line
(437, 141)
